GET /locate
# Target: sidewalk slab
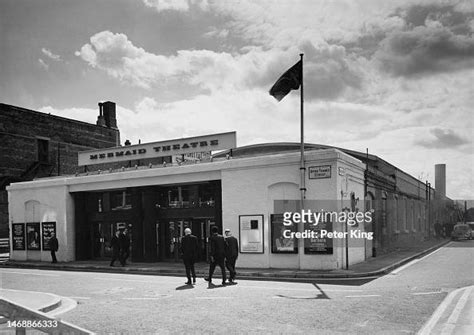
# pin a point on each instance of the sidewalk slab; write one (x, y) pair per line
(38, 301)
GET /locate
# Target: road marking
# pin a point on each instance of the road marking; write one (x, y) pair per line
(428, 327)
(132, 280)
(292, 289)
(294, 297)
(363, 296)
(149, 298)
(453, 318)
(424, 293)
(414, 262)
(32, 273)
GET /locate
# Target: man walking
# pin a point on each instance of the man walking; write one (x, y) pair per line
(232, 253)
(125, 247)
(115, 245)
(217, 254)
(189, 250)
(53, 246)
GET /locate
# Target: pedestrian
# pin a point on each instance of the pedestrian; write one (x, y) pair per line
(217, 255)
(115, 245)
(232, 253)
(189, 250)
(53, 246)
(125, 247)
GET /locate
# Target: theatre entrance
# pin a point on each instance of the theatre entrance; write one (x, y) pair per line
(170, 231)
(102, 236)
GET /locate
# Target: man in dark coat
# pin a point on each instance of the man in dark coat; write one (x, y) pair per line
(124, 247)
(189, 251)
(115, 244)
(53, 246)
(217, 254)
(232, 253)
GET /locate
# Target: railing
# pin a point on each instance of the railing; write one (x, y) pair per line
(21, 318)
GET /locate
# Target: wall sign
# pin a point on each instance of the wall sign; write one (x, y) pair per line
(18, 236)
(48, 229)
(183, 146)
(281, 244)
(251, 233)
(319, 245)
(319, 172)
(33, 241)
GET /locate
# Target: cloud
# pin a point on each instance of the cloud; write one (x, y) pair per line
(327, 69)
(50, 54)
(43, 64)
(176, 5)
(443, 138)
(434, 39)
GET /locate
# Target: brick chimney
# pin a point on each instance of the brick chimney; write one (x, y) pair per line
(109, 114)
(100, 118)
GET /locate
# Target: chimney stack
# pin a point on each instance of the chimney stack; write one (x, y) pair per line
(440, 180)
(100, 118)
(107, 115)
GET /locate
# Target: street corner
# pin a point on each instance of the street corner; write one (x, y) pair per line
(38, 301)
(454, 315)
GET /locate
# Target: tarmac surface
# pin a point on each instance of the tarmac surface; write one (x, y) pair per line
(374, 267)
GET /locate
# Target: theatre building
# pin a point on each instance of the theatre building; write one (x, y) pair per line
(247, 190)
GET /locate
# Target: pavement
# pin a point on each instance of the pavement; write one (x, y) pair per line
(373, 267)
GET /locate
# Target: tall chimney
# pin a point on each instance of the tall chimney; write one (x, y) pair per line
(440, 180)
(100, 118)
(109, 114)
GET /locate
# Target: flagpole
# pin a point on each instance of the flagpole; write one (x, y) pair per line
(302, 165)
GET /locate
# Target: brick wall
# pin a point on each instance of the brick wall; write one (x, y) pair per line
(20, 131)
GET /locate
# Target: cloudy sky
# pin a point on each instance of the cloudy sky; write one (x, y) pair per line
(395, 77)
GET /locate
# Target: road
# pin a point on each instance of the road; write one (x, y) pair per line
(399, 303)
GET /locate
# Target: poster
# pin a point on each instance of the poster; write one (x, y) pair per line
(318, 245)
(18, 236)
(251, 233)
(48, 229)
(33, 241)
(281, 244)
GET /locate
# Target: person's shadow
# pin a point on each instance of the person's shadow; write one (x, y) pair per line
(184, 287)
(211, 286)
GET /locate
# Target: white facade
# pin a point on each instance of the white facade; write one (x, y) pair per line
(249, 187)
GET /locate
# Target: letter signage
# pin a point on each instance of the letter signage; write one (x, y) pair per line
(181, 146)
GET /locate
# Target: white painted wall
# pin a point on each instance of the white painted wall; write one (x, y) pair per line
(249, 186)
(45, 204)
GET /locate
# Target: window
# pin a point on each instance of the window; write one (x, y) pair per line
(43, 150)
(121, 200)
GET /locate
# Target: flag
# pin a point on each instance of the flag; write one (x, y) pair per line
(290, 80)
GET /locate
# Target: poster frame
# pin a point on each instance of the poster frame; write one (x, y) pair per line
(36, 228)
(22, 237)
(259, 218)
(46, 234)
(273, 236)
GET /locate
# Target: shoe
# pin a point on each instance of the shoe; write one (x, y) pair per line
(231, 281)
(207, 279)
(188, 282)
(224, 283)
(194, 280)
